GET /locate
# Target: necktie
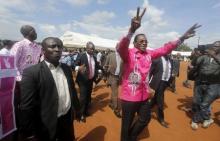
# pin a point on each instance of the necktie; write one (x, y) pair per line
(90, 67)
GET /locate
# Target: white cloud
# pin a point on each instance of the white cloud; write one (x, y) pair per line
(102, 1)
(47, 28)
(78, 2)
(109, 32)
(97, 23)
(65, 27)
(20, 5)
(10, 28)
(5, 13)
(50, 6)
(98, 17)
(217, 5)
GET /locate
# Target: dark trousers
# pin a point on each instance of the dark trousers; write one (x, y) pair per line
(64, 130)
(129, 131)
(158, 99)
(209, 93)
(17, 95)
(85, 95)
(173, 83)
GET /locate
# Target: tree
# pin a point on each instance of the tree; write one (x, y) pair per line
(183, 47)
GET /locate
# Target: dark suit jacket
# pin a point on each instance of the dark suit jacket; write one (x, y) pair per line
(156, 72)
(39, 100)
(84, 77)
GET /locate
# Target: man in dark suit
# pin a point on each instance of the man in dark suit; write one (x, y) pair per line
(48, 97)
(160, 75)
(113, 66)
(87, 67)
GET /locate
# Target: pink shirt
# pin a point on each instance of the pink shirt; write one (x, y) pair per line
(136, 68)
(26, 54)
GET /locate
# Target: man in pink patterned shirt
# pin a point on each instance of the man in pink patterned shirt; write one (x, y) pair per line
(27, 53)
(135, 88)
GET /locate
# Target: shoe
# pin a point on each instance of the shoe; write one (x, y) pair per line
(207, 123)
(118, 114)
(194, 125)
(164, 124)
(83, 119)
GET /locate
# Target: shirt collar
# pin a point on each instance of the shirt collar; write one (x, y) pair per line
(88, 55)
(29, 42)
(51, 66)
(137, 51)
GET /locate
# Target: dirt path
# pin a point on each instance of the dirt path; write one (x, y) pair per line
(104, 126)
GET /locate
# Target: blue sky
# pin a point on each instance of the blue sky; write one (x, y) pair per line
(164, 20)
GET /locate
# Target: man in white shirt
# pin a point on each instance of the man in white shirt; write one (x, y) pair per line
(160, 77)
(48, 97)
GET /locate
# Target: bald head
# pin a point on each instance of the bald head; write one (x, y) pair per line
(28, 32)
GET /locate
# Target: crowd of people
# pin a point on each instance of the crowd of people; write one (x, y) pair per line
(46, 101)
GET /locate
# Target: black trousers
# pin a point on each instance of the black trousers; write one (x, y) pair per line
(158, 99)
(85, 95)
(129, 131)
(17, 95)
(65, 128)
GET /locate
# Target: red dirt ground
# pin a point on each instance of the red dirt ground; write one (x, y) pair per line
(104, 126)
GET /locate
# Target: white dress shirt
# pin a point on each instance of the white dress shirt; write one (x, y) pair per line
(164, 61)
(64, 102)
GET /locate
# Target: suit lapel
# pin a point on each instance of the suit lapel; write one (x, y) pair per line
(48, 77)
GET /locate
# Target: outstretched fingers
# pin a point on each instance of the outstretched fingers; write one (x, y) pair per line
(138, 12)
(142, 14)
(195, 26)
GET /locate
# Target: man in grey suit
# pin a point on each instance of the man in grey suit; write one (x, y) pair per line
(113, 66)
(48, 97)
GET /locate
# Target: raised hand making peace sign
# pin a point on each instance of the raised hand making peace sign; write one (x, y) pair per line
(136, 21)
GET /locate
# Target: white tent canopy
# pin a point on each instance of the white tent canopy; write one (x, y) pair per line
(73, 39)
(186, 54)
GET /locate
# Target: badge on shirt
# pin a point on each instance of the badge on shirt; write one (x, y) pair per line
(134, 78)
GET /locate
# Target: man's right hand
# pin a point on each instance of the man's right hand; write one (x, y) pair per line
(136, 21)
(82, 68)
